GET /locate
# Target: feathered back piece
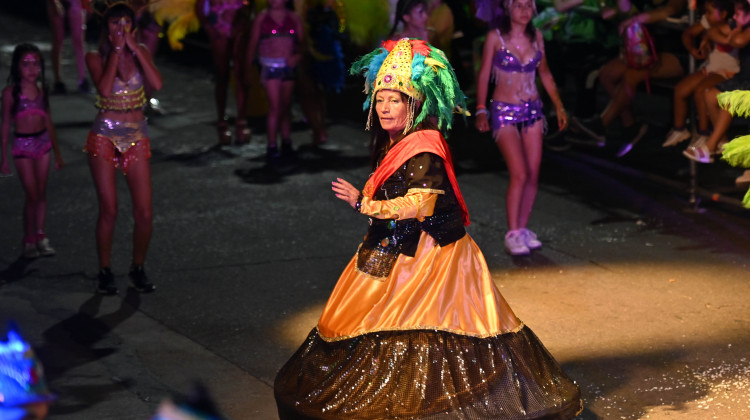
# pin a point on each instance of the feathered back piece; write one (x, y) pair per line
(179, 17)
(737, 151)
(417, 69)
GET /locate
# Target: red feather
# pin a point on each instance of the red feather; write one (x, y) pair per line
(420, 46)
(389, 44)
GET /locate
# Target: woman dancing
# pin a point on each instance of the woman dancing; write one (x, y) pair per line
(415, 327)
(120, 68)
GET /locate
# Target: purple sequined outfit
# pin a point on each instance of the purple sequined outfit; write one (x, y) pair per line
(31, 145)
(522, 115)
(508, 70)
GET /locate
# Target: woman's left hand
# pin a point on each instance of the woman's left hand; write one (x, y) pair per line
(59, 163)
(345, 191)
(562, 119)
(130, 41)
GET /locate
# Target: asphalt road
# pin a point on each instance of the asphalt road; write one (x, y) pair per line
(642, 300)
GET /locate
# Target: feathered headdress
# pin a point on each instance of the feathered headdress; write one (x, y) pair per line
(417, 69)
(737, 151)
(21, 374)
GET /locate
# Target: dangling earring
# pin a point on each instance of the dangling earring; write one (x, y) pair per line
(369, 117)
(409, 115)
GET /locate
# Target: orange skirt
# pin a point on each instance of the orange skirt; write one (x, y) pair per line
(441, 288)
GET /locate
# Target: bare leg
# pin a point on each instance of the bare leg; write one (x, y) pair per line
(103, 173)
(139, 183)
(34, 202)
(532, 147)
(508, 141)
(76, 19)
(682, 91)
(57, 24)
(287, 88)
(720, 118)
(273, 91)
(610, 76)
(221, 52)
(239, 47)
(711, 80)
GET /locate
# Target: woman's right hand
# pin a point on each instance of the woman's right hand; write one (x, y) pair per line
(117, 39)
(482, 123)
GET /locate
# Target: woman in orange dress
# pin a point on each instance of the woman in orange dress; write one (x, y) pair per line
(415, 327)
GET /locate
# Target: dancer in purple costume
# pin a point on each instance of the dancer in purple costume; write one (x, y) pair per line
(26, 106)
(512, 55)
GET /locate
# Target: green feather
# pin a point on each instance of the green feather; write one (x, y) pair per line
(737, 102)
(737, 152)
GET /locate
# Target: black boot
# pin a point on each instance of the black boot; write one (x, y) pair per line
(139, 281)
(105, 282)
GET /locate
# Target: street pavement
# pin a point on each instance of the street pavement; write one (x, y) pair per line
(641, 296)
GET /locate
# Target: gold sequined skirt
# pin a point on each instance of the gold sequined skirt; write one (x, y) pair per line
(435, 340)
(424, 374)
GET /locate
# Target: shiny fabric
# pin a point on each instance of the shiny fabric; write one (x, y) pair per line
(275, 68)
(31, 146)
(102, 147)
(123, 135)
(127, 95)
(430, 141)
(442, 288)
(516, 80)
(521, 115)
(425, 374)
(28, 106)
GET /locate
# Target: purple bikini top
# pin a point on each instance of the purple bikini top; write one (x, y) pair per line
(505, 60)
(31, 106)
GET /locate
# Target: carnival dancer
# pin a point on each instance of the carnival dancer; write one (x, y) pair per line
(512, 55)
(119, 139)
(276, 42)
(415, 327)
(226, 23)
(26, 107)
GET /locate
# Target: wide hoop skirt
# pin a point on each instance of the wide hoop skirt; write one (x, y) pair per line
(434, 340)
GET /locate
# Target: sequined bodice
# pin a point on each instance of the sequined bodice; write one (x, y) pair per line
(30, 106)
(132, 84)
(515, 81)
(507, 62)
(127, 95)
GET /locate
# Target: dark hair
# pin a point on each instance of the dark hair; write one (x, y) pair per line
(742, 4)
(726, 6)
(403, 7)
(504, 24)
(116, 11)
(380, 138)
(14, 78)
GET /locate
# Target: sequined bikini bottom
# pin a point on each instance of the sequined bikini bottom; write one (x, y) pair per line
(32, 146)
(521, 115)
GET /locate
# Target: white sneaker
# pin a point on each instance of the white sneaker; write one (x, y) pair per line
(514, 243)
(44, 248)
(30, 251)
(676, 136)
(529, 238)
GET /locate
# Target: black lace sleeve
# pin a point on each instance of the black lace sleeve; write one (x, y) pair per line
(425, 172)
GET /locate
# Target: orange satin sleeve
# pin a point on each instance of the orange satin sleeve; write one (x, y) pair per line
(416, 204)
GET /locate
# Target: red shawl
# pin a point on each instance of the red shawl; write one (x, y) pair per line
(421, 141)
